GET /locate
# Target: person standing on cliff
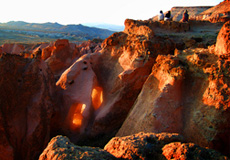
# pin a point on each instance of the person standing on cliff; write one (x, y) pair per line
(185, 16)
(161, 16)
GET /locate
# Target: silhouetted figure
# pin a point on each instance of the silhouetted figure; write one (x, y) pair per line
(168, 16)
(161, 16)
(185, 16)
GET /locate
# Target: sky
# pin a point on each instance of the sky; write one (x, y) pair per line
(89, 11)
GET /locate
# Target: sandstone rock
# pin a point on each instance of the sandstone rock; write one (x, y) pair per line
(158, 146)
(125, 62)
(90, 47)
(183, 151)
(138, 28)
(162, 92)
(6, 149)
(188, 94)
(12, 48)
(61, 148)
(117, 74)
(218, 13)
(76, 86)
(223, 40)
(141, 145)
(168, 27)
(27, 92)
(177, 12)
(62, 55)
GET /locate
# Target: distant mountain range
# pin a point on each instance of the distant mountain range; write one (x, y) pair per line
(49, 31)
(111, 27)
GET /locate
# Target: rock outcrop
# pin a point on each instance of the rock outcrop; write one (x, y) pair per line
(218, 13)
(178, 150)
(166, 102)
(76, 85)
(177, 12)
(124, 64)
(61, 148)
(27, 92)
(163, 146)
(60, 55)
(12, 48)
(89, 47)
(102, 86)
(141, 145)
(158, 146)
(223, 40)
(133, 81)
(186, 93)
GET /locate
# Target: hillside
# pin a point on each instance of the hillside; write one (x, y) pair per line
(19, 31)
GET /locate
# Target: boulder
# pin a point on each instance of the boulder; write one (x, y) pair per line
(27, 104)
(183, 151)
(160, 146)
(223, 40)
(163, 146)
(141, 145)
(61, 148)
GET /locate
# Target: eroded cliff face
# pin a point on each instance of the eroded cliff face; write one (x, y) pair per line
(27, 104)
(186, 93)
(137, 76)
(117, 73)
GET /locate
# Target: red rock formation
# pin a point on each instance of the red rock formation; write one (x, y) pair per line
(223, 43)
(183, 151)
(139, 28)
(186, 93)
(76, 85)
(139, 146)
(89, 47)
(126, 61)
(60, 55)
(60, 147)
(27, 92)
(12, 48)
(117, 74)
(150, 146)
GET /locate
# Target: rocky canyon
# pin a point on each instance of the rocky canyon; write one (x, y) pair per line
(157, 90)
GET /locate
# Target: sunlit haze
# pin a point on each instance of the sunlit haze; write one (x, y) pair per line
(89, 11)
